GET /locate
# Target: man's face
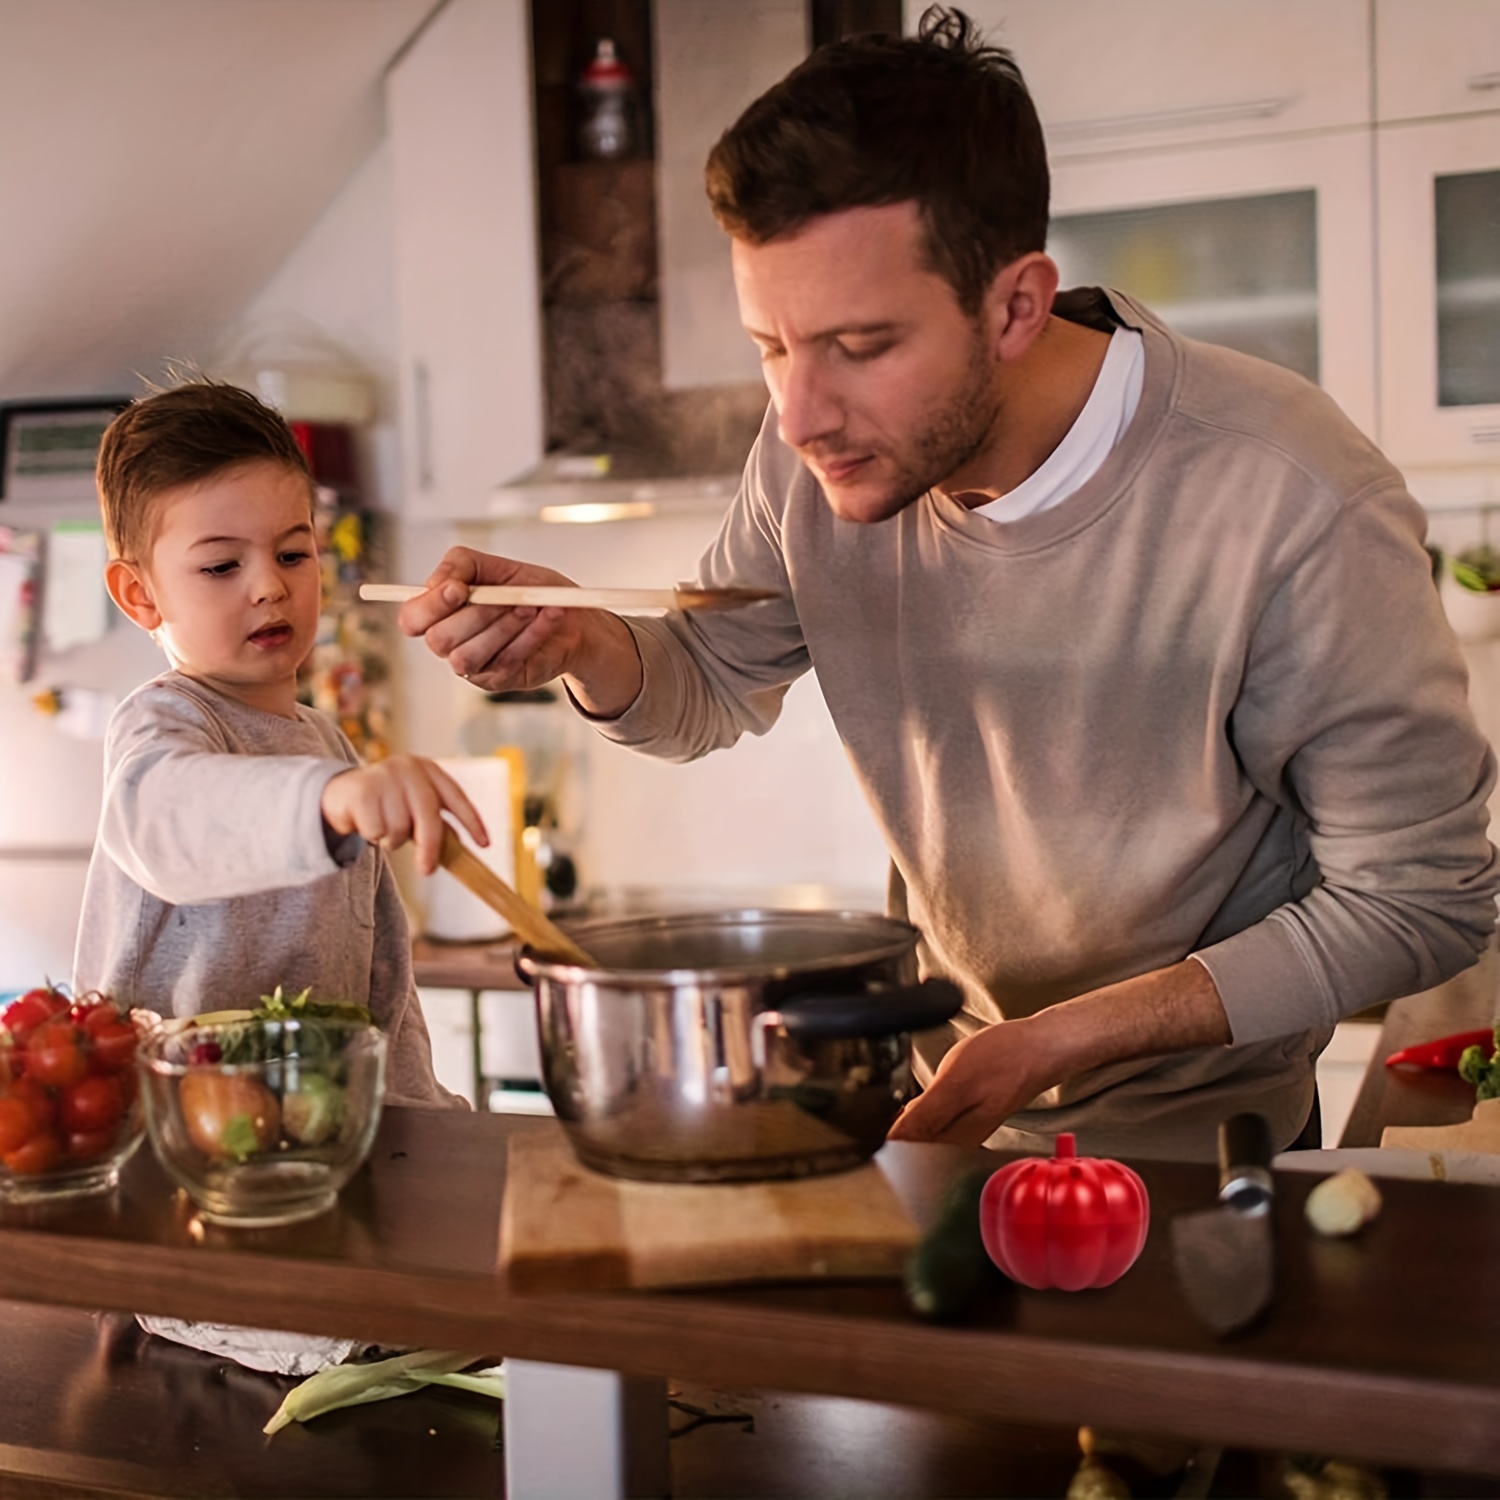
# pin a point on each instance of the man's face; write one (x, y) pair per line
(882, 384)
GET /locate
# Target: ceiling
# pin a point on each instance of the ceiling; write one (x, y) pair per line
(161, 158)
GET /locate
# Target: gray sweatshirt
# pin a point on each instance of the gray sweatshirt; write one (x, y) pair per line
(1208, 704)
(212, 881)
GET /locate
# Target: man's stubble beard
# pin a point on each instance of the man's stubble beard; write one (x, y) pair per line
(952, 440)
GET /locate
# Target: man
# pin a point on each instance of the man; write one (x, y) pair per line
(1131, 640)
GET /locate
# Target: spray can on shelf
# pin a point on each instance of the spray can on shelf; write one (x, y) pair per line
(609, 128)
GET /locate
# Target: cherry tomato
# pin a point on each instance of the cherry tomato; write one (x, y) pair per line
(95, 1103)
(112, 1046)
(23, 1016)
(39, 1154)
(17, 1123)
(54, 1056)
(93, 1014)
(88, 1145)
(38, 1100)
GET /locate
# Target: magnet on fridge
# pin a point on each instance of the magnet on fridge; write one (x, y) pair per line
(20, 591)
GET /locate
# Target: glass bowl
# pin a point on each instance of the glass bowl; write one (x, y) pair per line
(262, 1122)
(70, 1108)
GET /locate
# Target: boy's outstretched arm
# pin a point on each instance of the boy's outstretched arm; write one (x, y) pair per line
(400, 799)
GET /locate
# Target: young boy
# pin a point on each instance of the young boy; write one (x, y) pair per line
(241, 844)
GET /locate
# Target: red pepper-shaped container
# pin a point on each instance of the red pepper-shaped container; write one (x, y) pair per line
(1067, 1222)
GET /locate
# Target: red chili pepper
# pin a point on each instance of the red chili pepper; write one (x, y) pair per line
(1444, 1052)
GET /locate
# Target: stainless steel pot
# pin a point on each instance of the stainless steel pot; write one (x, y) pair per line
(725, 1046)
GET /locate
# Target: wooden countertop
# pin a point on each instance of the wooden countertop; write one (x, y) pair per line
(1369, 1350)
(466, 966)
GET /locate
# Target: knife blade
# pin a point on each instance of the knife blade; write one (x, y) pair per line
(1224, 1255)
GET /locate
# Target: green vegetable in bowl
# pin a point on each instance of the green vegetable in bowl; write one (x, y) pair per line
(313, 1113)
(302, 1007)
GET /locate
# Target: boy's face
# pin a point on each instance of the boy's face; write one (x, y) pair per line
(232, 589)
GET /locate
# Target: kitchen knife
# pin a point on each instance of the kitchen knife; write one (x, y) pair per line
(1223, 1255)
(621, 601)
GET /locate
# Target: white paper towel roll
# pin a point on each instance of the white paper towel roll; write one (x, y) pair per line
(454, 913)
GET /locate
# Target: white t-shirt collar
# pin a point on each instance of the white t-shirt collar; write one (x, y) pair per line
(1100, 425)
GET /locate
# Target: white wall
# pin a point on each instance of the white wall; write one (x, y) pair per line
(782, 810)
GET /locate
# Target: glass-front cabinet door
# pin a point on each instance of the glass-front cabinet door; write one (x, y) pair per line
(1439, 187)
(1263, 247)
(1236, 271)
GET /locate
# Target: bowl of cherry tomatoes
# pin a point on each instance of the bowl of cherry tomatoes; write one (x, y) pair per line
(70, 1108)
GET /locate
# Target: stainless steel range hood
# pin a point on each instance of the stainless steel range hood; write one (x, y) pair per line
(583, 490)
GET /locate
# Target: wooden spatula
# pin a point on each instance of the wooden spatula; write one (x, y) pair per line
(621, 601)
(531, 925)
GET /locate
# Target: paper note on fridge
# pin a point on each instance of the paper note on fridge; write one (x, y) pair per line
(75, 606)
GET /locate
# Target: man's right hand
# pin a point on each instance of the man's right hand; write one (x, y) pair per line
(501, 648)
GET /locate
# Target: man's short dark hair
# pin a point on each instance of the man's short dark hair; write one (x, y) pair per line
(182, 436)
(938, 119)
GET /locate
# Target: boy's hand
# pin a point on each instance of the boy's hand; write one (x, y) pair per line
(400, 798)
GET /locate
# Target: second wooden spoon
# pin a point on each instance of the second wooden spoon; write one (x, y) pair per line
(532, 925)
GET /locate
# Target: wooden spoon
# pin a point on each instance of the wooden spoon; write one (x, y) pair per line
(621, 601)
(531, 925)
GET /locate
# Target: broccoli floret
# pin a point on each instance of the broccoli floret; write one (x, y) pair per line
(1482, 1071)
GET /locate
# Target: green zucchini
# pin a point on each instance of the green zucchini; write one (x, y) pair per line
(950, 1264)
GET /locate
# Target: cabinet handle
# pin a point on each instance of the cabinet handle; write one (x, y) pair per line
(1171, 119)
(1483, 81)
(422, 411)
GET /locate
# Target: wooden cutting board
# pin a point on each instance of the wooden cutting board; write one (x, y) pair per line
(1480, 1133)
(566, 1228)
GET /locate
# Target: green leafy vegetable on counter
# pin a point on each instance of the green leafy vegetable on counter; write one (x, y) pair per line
(1477, 568)
(379, 1380)
(1481, 1070)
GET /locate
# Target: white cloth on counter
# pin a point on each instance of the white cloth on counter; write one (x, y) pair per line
(269, 1349)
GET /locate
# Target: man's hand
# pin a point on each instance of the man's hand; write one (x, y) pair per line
(398, 799)
(500, 648)
(986, 1078)
(979, 1084)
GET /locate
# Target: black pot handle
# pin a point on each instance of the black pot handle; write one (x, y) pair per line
(871, 1012)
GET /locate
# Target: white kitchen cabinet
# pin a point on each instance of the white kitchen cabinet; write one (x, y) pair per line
(468, 301)
(1123, 75)
(1436, 58)
(1263, 246)
(1439, 242)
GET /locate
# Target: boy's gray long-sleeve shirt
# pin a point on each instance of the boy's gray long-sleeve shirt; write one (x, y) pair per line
(1208, 704)
(212, 881)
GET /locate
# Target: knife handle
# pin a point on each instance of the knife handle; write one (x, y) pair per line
(1245, 1162)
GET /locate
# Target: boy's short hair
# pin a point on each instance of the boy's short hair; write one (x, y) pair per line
(182, 436)
(938, 119)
